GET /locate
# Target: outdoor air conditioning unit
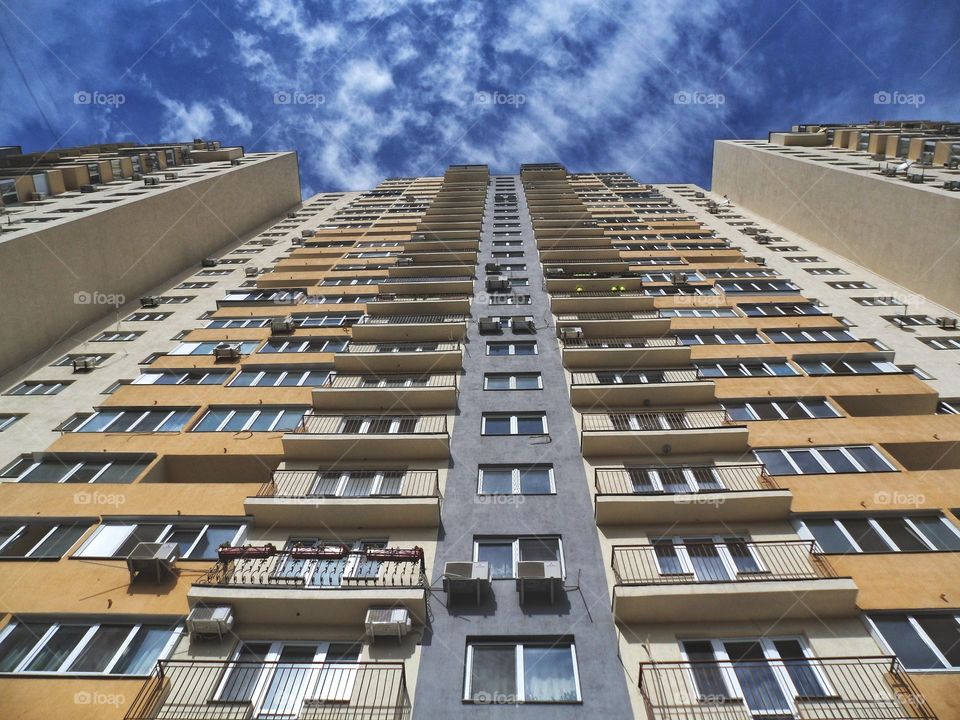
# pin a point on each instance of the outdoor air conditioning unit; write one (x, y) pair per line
(539, 574)
(947, 323)
(152, 559)
(235, 162)
(88, 188)
(551, 272)
(267, 242)
(292, 214)
(763, 238)
(678, 278)
(207, 622)
(149, 301)
(405, 261)
(571, 333)
(208, 262)
(36, 196)
(524, 327)
(84, 364)
(171, 176)
(151, 180)
(497, 282)
(308, 233)
(472, 577)
(227, 351)
(136, 176)
(757, 260)
(492, 267)
(750, 230)
(282, 326)
(393, 621)
(251, 271)
(698, 194)
(490, 326)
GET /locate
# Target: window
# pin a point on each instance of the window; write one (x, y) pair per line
(882, 533)
(511, 348)
(823, 460)
(847, 367)
(148, 316)
(503, 553)
(507, 253)
(942, 343)
(328, 320)
(206, 348)
(775, 309)
(514, 424)
(719, 337)
(182, 377)
(45, 539)
(8, 419)
(507, 243)
(921, 641)
(77, 646)
(826, 271)
(309, 345)
(250, 418)
(175, 299)
(64, 468)
(357, 483)
(758, 286)
(698, 312)
(208, 273)
(516, 480)
(278, 376)
(68, 360)
(195, 285)
(948, 407)
(769, 368)
(910, 320)
(196, 539)
(38, 387)
(238, 323)
(510, 300)
(263, 297)
(130, 420)
(781, 409)
(805, 259)
(875, 301)
(534, 671)
(512, 381)
(805, 336)
(851, 285)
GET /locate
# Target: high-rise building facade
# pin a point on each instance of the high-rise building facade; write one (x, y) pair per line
(553, 443)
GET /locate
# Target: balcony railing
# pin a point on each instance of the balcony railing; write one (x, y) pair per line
(403, 347)
(235, 690)
(636, 377)
(309, 484)
(655, 421)
(316, 424)
(621, 343)
(831, 688)
(682, 479)
(330, 567)
(638, 315)
(392, 297)
(596, 293)
(696, 562)
(410, 319)
(427, 279)
(386, 382)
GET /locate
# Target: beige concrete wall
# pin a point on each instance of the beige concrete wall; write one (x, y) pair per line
(126, 248)
(905, 232)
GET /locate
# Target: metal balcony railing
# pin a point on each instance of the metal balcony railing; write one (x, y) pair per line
(596, 293)
(635, 377)
(429, 279)
(702, 562)
(620, 342)
(372, 382)
(236, 690)
(403, 347)
(626, 315)
(410, 319)
(392, 297)
(656, 421)
(329, 567)
(682, 479)
(828, 688)
(317, 424)
(361, 483)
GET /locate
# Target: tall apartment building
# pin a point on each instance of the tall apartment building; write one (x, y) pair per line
(550, 444)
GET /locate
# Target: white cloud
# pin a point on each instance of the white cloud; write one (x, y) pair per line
(235, 118)
(182, 122)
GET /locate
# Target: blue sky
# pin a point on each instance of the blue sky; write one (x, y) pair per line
(365, 89)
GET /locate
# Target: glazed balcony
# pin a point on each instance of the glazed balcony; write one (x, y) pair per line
(409, 328)
(238, 690)
(593, 353)
(400, 357)
(436, 391)
(364, 498)
(330, 585)
(640, 387)
(725, 581)
(654, 432)
(368, 437)
(688, 493)
(815, 688)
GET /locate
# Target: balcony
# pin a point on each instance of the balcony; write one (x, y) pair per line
(328, 585)
(846, 688)
(661, 432)
(367, 498)
(640, 387)
(437, 391)
(619, 352)
(726, 580)
(384, 358)
(368, 437)
(605, 324)
(400, 328)
(427, 285)
(439, 304)
(237, 690)
(688, 493)
(600, 301)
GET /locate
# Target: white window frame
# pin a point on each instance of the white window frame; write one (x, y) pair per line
(255, 413)
(514, 422)
(921, 635)
(165, 529)
(825, 466)
(807, 534)
(519, 669)
(719, 542)
(514, 542)
(516, 472)
(512, 347)
(779, 406)
(512, 381)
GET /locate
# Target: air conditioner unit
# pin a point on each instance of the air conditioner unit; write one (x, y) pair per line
(36, 196)
(84, 364)
(490, 326)
(207, 622)
(678, 278)
(136, 176)
(151, 180)
(227, 351)
(750, 230)
(152, 559)
(149, 301)
(756, 260)
(497, 282)
(307, 233)
(571, 333)
(393, 621)
(471, 577)
(524, 327)
(947, 323)
(88, 188)
(235, 162)
(552, 272)
(763, 238)
(405, 261)
(492, 267)
(251, 271)
(698, 194)
(208, 262)
(267, 242)
(539, 574)
(171, 176)
(282, 326)
(292, 214)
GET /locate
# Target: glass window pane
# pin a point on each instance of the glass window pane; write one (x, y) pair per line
(775, 462)
(500, 557)
(944, 631)
(865, 536)
(829, 537)
(58, 542)
(806, 461)
(497, 425)
(121, 471)
(56, 649)
(528, 382)
(530, 425)
(913, 652)
(48, 470)
(100, 649)
(903, 536)
(870, 459)
(141, 655)
(493, 676)
(837, 461)
(497, 481)
(938, 532)
(19, 642)
(212, 539)
(535, 481)
(548, 674)
(539, 549)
